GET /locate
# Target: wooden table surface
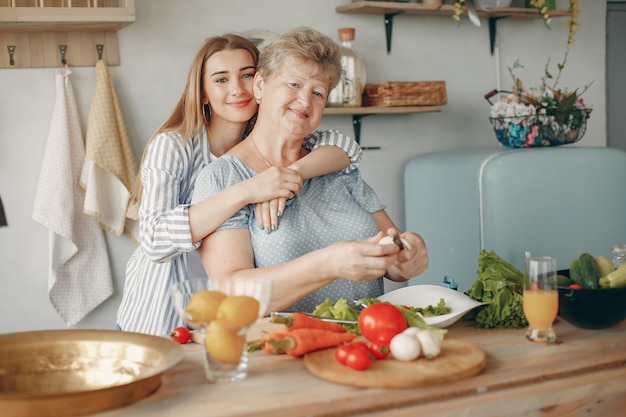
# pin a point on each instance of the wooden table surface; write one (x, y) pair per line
(583, 373)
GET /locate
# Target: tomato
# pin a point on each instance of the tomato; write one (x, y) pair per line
(359, 345)
(341, 353)
(379, 350)
(358, 359)
(380, 322)
(180, 335)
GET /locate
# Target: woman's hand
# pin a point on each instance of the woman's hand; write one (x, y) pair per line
(360, 260)
(268, 213)
(411, 261)
(270, 191)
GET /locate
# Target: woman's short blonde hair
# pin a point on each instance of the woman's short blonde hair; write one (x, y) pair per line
(303, 45)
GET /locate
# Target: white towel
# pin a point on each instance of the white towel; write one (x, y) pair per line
(109, 168)
(79, 276)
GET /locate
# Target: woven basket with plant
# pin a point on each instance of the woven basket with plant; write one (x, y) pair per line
(519, 124)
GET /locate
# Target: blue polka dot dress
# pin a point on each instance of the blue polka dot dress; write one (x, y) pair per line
(328, 209)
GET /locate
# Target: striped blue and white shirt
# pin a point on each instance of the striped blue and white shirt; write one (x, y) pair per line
(168, 174)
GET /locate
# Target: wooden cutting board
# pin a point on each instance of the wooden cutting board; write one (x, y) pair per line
(459, 359)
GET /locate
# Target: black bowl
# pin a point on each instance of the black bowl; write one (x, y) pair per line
(592, 309)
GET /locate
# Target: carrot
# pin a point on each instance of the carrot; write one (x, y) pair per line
(303, 321)
(301, 341)
(279, 335)
(260, 344)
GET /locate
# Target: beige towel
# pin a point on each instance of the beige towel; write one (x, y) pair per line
(110, 167)
(79, 272)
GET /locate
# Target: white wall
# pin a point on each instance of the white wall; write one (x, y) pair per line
(157, 49)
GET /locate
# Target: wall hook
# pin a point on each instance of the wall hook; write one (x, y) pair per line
(62, 50)
(11, 49)
(99, 48)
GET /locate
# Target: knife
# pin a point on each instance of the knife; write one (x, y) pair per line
(286, 313)
(397, 240)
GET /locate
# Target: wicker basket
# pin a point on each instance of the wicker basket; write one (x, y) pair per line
(395, 94)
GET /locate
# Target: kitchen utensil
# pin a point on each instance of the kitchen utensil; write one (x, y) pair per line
(397, 240)
(219, 341)
(459, 359)
(76, 372)
(541, 298)
(286, 313)
(599, 308)
(425, 295)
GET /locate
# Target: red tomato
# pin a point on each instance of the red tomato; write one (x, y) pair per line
(341, 353)
(180, 335)
(359, 345)
(381, 322)
(379, 350)
(358, 359)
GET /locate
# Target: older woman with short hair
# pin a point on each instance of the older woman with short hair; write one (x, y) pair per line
(327, 244)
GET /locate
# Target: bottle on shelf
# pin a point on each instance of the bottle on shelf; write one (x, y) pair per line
(619, 254)
(349, 90)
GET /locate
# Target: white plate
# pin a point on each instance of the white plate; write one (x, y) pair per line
(425, 295)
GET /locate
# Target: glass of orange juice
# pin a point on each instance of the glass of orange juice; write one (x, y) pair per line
(541, 298)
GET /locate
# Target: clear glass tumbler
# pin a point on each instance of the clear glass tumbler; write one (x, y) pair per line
(224, 334)
(541, 298)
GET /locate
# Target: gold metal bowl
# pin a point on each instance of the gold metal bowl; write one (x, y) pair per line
(77, 372)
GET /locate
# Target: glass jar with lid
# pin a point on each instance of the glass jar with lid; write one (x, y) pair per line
(349, 90)
(619, 254)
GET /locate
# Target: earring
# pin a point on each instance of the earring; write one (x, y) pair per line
(206, 112)
(257, 100)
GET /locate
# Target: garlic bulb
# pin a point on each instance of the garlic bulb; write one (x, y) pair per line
(430, 343)
(388, 240)
(404, 347)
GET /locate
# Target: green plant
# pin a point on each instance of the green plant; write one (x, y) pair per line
(543, 10)
(545, 115)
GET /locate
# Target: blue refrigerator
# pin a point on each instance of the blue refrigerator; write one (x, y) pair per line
(556, 201)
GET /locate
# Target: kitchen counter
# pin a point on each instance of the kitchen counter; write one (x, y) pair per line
(582, 373)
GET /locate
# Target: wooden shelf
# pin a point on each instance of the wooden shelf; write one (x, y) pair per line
(49, 33)
(366, 111)
(385, 7)
(358, 113)
(52, 19)
(391, 9)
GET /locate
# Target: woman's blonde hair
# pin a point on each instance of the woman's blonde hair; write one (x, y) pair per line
(304, 45)
(188, 115)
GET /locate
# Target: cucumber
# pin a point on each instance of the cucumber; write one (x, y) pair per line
(589, 271)
(563, 281)
(574, 272)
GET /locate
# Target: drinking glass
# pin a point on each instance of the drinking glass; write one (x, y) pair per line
(541, 298)
(222, 344)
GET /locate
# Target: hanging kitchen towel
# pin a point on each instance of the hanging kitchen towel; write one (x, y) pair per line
(79, 276)
(109, 168)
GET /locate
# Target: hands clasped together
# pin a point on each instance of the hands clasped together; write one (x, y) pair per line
(274, 181)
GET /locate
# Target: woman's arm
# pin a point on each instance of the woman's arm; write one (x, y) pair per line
(228, 254)
(329, 151)
(162, 203)
(206, 215)
(328, 144)
(321, 161)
